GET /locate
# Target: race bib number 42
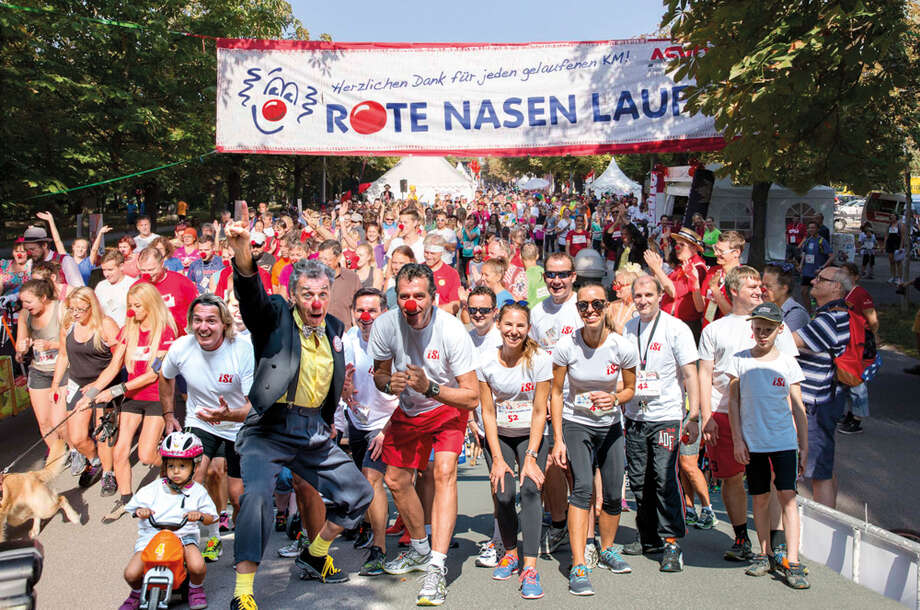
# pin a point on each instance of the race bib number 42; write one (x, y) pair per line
(648, 385)
(583, 404)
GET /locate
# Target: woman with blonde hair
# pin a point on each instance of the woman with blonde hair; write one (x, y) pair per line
(622, 310)
(149, 331)
(368, 273)
(86, 341)
(39, 330)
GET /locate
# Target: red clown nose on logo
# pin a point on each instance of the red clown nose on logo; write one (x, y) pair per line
(368, 117)
(316, 305)
(365, 316)
(274, 110)
(411, 306)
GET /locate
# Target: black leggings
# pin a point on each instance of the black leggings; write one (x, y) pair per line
(587, 445)
(531, 522)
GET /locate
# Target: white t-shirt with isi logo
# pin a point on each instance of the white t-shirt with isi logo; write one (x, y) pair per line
(592, 370)
(549, 322)
(513, 389)
(443, 349)
(226, 371)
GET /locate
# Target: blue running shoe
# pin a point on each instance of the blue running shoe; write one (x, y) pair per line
(530, 584)
(506, 567)
(613, 560)
(578, 581)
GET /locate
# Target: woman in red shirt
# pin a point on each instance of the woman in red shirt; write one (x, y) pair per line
(681, 286)
(143, 342)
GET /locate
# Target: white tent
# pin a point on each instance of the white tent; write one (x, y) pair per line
(613, 180)
(460, 168)
(429, 175)
(533, 184)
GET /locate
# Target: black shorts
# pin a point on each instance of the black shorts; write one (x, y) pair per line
(40, 380)
(143, 407)
(892, 243)
(215, 446)
(781, 466)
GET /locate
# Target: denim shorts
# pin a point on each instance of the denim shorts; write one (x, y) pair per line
(822, 428)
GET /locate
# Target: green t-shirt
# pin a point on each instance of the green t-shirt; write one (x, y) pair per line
(710, 238)
(536, 287)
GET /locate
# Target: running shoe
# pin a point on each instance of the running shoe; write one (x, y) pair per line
(592, 556)
(673, 558)
(578, 581)
(294, 548)
(760, 565)
(116, 512)
(294, 525)
(280, 521)
(637, 548)
(740, 551)
(434, 587)
(691, 517)
(109, 484)
(779, 561)
(197, 600)
(489, 554)
(225, 524)
(506, 567)
(795, 576)
(319, 568)
(133, 602)
(374, 564)
(407, 561)
(707, 519)
(851, 426)
(91, 474)
(397, 528)
(624, 505)
(612, 559)
(212, 549)
(244, 602)
(77, 463)
(554, 538)
(365, 537)
(530, 584)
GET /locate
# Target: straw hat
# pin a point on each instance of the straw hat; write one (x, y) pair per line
(689, 236)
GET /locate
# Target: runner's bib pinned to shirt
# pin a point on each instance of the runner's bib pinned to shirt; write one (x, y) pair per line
(514, 414)
(648, 385)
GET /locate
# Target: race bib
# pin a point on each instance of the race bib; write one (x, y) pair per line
(514, 414)
(809, 259)
(583, 405)
(141, 353)
(359, 413)
(711, 310)
(72, 389)
(579, 239)
(648, 385)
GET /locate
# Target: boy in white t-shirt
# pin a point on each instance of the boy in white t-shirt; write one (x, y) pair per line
(768, 425)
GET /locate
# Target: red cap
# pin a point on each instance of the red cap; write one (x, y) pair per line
(411, 306)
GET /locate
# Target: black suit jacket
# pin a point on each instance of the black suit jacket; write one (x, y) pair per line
(276, 341)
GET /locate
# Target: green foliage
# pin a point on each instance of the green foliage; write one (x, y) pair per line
(806, 92)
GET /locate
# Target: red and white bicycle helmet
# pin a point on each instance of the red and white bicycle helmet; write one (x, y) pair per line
(182, 445)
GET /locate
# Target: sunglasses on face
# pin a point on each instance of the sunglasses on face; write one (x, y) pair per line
(481, 311)
(551, 275)
(596, 305)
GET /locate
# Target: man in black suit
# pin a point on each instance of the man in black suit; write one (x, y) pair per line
(300, 372)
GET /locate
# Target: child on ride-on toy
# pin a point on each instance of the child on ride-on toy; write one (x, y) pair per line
(169, 499)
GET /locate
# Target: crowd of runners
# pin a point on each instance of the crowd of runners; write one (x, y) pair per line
(304, 366)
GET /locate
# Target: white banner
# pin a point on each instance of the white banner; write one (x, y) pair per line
(284, 97)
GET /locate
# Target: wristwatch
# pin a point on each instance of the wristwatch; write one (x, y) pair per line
(531, 453)
(616, 399)
(387, 389)
(433, 390)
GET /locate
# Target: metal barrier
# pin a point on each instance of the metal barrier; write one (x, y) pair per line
(866, 554)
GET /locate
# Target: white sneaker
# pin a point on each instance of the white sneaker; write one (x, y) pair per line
(490, 554)
(592, 557)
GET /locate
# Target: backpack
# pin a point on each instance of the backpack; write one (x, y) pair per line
(859, 361)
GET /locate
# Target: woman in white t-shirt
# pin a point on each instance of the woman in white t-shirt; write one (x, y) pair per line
(514, 384)
(587, 426)
(867, 245)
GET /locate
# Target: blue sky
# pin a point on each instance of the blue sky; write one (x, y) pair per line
(490, 21)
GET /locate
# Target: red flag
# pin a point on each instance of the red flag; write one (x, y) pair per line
(346, 196)
(590, 176)
(364, 186)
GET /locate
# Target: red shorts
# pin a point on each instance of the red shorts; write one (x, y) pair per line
(722, 454)
(409, 440)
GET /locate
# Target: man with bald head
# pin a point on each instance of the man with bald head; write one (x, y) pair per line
(667, 366)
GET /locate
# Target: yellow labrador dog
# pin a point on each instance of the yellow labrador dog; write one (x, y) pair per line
(27, 495)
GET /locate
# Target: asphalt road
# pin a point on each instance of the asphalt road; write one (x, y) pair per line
(84, 562)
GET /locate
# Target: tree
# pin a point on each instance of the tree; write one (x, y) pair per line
(805, 92)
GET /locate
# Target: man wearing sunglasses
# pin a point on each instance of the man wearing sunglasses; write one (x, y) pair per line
(551, 320)
(727, 251)
(820, 341)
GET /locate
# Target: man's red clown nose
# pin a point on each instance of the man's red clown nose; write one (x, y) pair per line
(411, 306)
(365, 316)
(316, 305)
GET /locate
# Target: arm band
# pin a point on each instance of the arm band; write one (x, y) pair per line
(91, 393)
(157, 365)
(117, 390)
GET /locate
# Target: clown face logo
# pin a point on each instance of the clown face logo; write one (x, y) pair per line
(276, 100)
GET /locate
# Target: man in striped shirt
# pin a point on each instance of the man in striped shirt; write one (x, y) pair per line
(819, 342)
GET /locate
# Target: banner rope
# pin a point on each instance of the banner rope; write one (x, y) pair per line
(125, 177)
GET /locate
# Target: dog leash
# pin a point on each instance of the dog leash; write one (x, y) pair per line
(36, 443)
